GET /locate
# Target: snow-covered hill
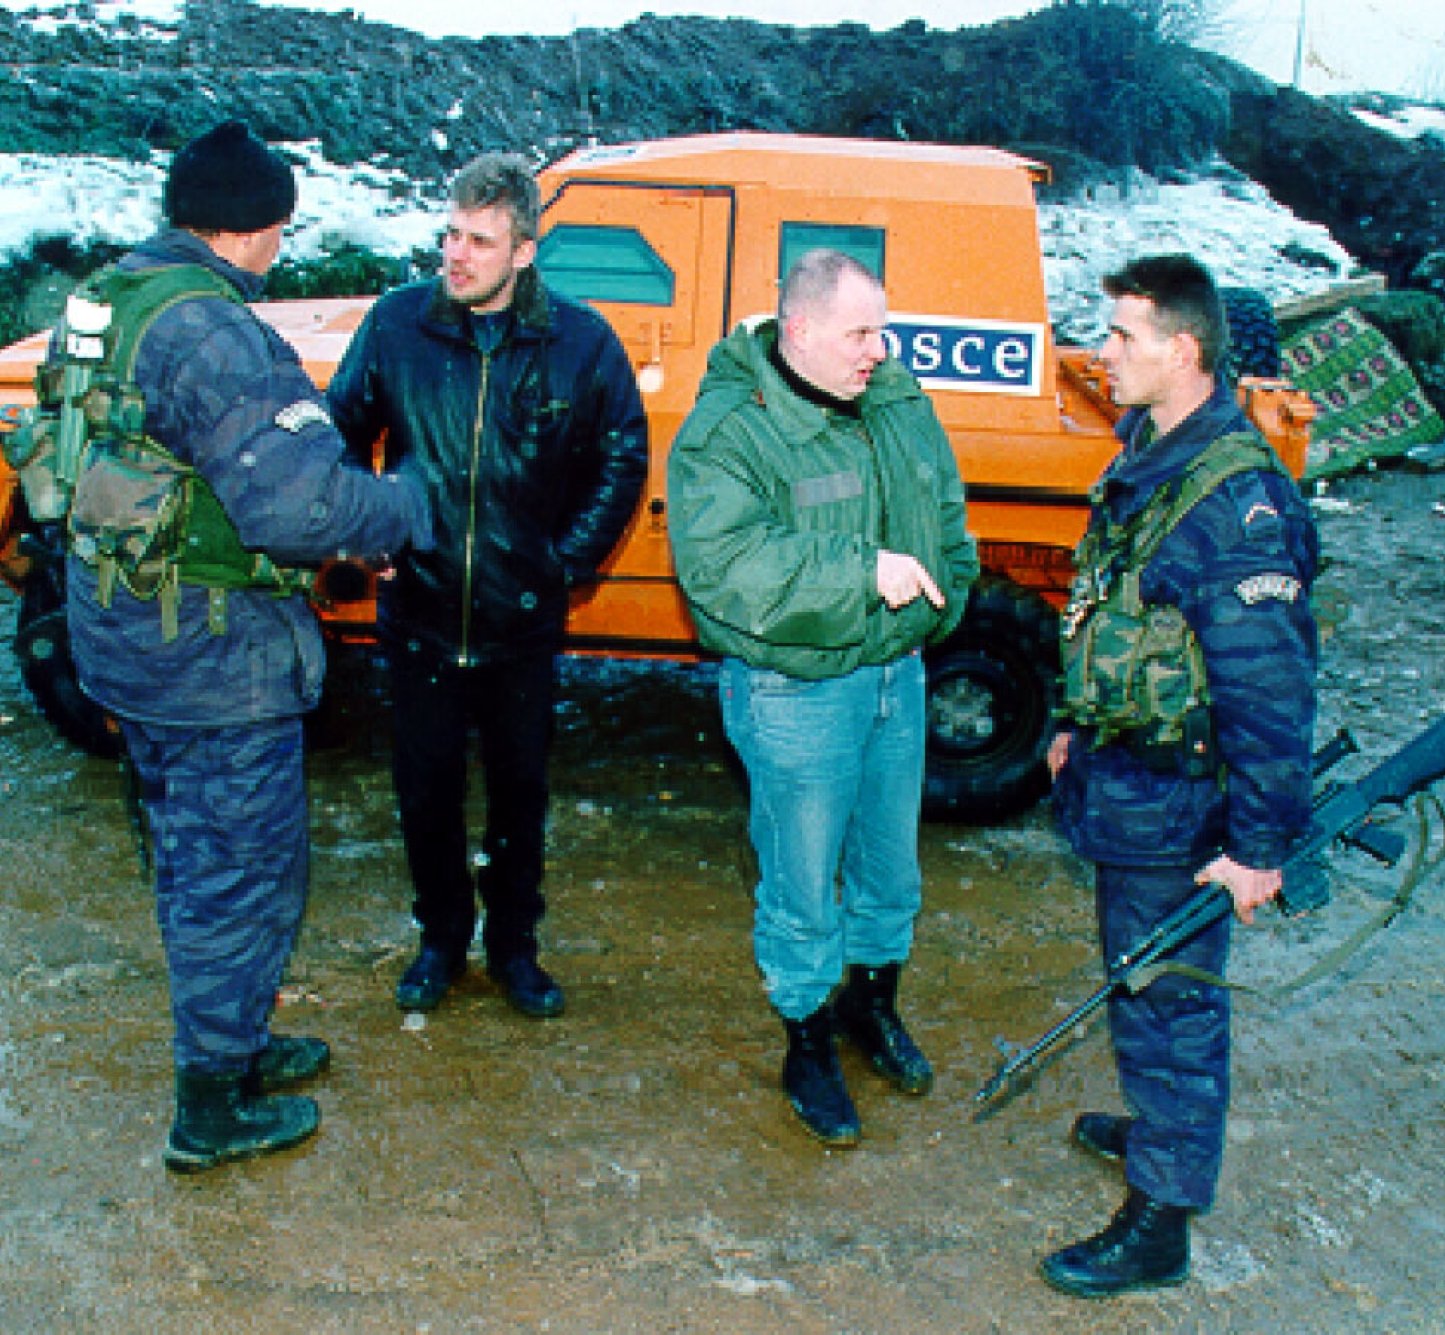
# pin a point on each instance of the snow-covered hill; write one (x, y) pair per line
(150, 67)
(1232, 224)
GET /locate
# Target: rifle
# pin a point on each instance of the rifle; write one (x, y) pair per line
(1341, 812)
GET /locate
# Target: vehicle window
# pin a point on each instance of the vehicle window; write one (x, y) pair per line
(864, 244)
(604, 264)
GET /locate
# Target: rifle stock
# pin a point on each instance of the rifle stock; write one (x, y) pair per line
(1343, 813)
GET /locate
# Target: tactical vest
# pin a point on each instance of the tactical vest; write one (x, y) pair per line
(139, 515)
(1131, 669)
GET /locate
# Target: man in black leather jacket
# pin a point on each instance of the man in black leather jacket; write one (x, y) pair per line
(520, 410)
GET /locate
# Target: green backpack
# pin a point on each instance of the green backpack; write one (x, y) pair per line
(133, 511)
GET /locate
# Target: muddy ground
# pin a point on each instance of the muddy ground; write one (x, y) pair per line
(632, 1166)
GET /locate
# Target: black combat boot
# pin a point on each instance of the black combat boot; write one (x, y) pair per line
(1101, 1133)
(1145, 1246)
(867, 1011)
(217, 1120)
(813, 1081)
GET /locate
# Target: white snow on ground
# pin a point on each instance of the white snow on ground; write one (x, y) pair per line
(105, 199)
(1233, 225)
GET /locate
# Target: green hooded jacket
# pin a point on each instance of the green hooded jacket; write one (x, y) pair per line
(779, 508)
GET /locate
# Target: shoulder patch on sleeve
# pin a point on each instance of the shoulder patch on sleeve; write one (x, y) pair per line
(1257, 510)
(1264, 588)
(303, 413)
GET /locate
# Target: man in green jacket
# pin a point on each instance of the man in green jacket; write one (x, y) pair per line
(819, 532)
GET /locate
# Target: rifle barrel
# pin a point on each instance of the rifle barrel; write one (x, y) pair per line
(1207, 905)
(1025, 1056)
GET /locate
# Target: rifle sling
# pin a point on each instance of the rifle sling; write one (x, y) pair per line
(1420, 867)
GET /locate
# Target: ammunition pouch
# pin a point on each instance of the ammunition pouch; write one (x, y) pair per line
(144, 520)
(1193, 753)
(30, 450)
(1133, 668)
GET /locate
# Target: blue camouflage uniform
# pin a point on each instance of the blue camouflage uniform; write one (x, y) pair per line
(213, 721)
(1239, 568)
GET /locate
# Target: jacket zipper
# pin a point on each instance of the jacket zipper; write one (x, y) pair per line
(464, 654)
(879, 505)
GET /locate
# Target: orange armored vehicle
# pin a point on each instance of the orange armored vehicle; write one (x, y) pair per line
(674, 241)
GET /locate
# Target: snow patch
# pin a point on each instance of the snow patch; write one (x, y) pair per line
(155, 20)
(1408, 122)
(93, 199)
(1246, 238)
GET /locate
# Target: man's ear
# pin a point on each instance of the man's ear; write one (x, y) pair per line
(524, 254)
(1187, 350)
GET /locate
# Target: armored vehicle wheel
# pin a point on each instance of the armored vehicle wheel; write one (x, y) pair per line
(1253, 333)
(42, 645)
(991, 693)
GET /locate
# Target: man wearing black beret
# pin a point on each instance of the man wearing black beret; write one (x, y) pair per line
(210, 666)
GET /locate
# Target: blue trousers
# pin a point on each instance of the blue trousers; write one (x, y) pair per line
(835, 774)
(1171, 1041)
(227, 812)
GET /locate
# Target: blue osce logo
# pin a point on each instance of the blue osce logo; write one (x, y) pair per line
(991, 356)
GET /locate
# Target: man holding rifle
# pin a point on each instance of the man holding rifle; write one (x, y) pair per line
(1189, 655)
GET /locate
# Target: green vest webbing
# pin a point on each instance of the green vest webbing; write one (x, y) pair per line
(208, 551)
(1129, 666)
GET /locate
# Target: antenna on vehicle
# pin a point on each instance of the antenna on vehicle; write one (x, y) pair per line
(1299, 43)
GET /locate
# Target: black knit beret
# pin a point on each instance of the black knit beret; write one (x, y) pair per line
(228, 181)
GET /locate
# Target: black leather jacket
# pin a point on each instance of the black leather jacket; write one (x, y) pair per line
(533, 451)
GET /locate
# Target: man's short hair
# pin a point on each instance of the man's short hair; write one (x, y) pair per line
(814, 278)
(500, 179)
(1184, 298)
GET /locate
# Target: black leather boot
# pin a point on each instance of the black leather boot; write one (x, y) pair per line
(1145, 1246)
(867, 1011)
(813, 1081)
(529, 987)
(428, 977)
(217, 1121)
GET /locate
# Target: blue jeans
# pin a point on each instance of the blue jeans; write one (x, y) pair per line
(835, 771)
